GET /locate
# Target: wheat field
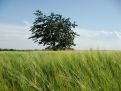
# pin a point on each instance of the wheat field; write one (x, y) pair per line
(60, 71)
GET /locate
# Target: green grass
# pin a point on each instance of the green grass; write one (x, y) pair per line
(60, 71)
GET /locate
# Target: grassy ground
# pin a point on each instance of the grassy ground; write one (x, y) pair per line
(60, 71)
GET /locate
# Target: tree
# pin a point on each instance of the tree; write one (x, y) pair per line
(53, 30)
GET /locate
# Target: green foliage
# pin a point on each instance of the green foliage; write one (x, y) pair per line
(7, 49)
(60, 71)
(53, 30)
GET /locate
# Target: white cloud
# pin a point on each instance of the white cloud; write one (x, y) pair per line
(92, 33)
(15, 36)
(97, 39)
(118, 35)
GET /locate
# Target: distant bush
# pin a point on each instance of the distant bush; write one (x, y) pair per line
(7, 49)
(58, 49)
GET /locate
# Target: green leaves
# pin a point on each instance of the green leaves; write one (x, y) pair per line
(53, 30)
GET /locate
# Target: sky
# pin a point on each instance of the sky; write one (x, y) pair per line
(99, 22)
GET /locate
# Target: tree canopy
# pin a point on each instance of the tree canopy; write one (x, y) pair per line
(54, 31)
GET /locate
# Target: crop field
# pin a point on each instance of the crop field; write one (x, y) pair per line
(60, 71)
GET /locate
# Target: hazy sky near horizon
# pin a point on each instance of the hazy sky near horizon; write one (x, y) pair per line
(99, 22)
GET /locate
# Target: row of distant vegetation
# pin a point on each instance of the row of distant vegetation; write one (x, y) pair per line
(6, 49)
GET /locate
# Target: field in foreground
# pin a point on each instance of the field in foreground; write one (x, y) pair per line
(60, 71)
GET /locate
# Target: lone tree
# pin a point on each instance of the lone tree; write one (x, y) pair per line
(53, 31)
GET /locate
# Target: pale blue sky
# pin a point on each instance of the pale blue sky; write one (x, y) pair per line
(90, 15)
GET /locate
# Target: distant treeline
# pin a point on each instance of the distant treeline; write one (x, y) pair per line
(5, 49)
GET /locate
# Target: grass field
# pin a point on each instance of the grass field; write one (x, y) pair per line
(60, 71)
